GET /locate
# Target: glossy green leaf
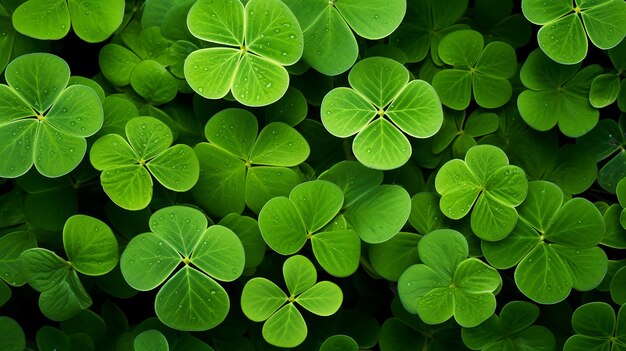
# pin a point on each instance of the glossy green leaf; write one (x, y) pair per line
(117, 63)
(317, 202)
(378, 79)
(11, 246)
(217, 21)
(210, 71)
(285, 328)
(191, 301)
(417, 110)
(282, 227)
(147, 261)
(345, 112)
(380, 145)
(180, 226)
(43, 19)
(153, 82)
(13, 337)
(279, 145)
(338, 252)
(219, 253)
(64, 300)
(395, 255)
(259, 81)
(322, 299)
(176, 168)
(95, 21)
(77, 111)
(150, 340)
(340, 343)
(300, 274)
(90, 245)
(148, 136)
(260, 298)
(233, 130)
(358, 15)
(130, 187)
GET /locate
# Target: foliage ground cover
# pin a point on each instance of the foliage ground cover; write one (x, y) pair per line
(259, 175)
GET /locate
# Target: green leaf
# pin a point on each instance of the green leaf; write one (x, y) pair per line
(300, 274)
(90, 245)
(210, 71)
(150, 340)
(338, 252)
(264, 183)
(345, 112)
(11, 246)
(442, 250)
(317, 202)
(12, 105)
(279, 145)
(282, 227)
(394, 256)
(247, 229)
(191, 301)
(39, 78)
(542, 276)
(454, 87)
(260, 298)
(391, 202)
(577, 224)
(234, 130)
(381, 145)
(603, 23)
(587, 266)
(220, 21)
(117, 63)
(285, 328)
(42, 19)
(148, 136)
(322, 299)
(339, 343)
(219, 167)
(359, 16)
(259, 81)
(458, 187)
(56, 153)
(416, 110)
(180, 226)
(595, 319)
(95, 21)
(472, 309)
(12, 136)
(604, 90)
(329, 45)
(77, 111)
(219, 253)
(65, 300)
(272, 31)
(378, 79)
(153, 82)
(617, 293)
(461, 48)
(147, 261)
(539, 13)
(43, 269)
(110, 151)
(130, 187)
(13, 337)
(176, 168)
(564, 40)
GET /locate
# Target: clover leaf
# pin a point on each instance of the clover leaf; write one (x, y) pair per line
(287, 223)
(493, 18)
(239, 167)
(557, 94)
(147, 61)
(262, 300)
(262, 37)
(11, 247)
(426, 23)
(486, 181)
(620, 191)
(597, 328)
(448, 283)
(190, 299)
(376, 211)
(128, 164)
(91, 248)
(92, 21)
(42, 120)
(606, 141)
(607, 88)
(380, 106)
(330, 47)
(554, 245)
(564, 22)
(12, 337)
(483, 70)
(511, 330)
(150, 340)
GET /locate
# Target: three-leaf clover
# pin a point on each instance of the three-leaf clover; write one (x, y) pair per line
(557, 94)
(597, 328)
(287, 223)
(42, 120)
(262, 38)
(483, 70)
(448, 283)
(91, 249)
(92, 21)
(554, 245)
(486, 181)
(190, 299)
(511, 330)
(262, 300)
(330, 47)
(382, 104)
(239, 167)
(562, 35)
(127, 164)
